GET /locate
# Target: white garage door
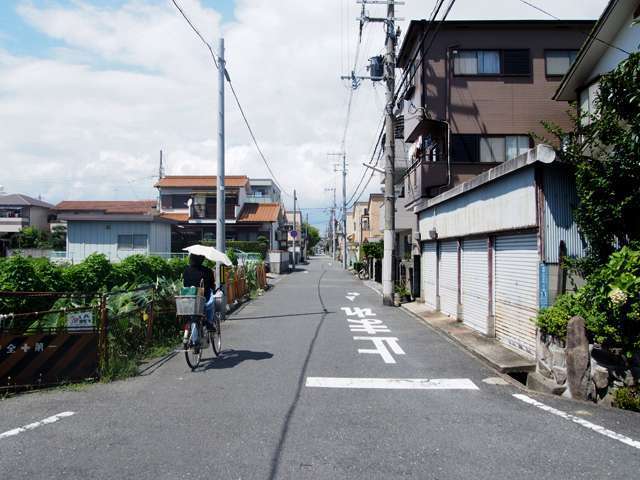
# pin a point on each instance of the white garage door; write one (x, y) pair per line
(448, 281)
(429, 265)
(475, 284)
(516, 291)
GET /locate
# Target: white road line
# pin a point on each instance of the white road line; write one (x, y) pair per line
(580, 421)
(31, 426)
(393, 383)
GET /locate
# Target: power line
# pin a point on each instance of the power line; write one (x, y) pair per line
(589, 35)
(235, 96)
(213, 55)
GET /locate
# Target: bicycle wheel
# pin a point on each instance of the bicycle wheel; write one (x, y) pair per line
(192, 351)
(215, 337)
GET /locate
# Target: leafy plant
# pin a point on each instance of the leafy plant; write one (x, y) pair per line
(604, 151)
(627, 398)
(553, 320)
(372, 250)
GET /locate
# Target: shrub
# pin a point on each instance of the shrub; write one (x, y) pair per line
(627, 399)
(90, 275)
(609, 302)
(553, 320)
(372, 250)
(249, 247)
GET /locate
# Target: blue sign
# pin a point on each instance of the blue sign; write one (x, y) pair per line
(543, 286)
(294, 233)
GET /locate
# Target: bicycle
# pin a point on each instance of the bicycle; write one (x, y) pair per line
(196, 337)
(363, 274)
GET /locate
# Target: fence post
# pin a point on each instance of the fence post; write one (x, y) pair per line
(103, 334)
(150, 318)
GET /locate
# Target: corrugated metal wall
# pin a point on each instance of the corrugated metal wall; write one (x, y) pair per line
(429, 266)
(475, 283)
(561, 199)
(448, 278)
(85, 238)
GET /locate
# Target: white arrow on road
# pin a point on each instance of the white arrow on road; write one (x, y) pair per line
(352, 295)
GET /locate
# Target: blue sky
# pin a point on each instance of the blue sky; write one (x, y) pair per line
(19, 38)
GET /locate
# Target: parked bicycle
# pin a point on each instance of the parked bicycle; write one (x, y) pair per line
(196, 336)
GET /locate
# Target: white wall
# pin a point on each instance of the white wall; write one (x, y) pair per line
(38, 217)
(85, 238)
(628, 38)
(505, 204)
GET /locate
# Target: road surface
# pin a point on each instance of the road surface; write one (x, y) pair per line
(318, 380)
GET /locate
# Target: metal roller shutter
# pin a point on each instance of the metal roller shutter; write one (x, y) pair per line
(448, 280)
(516, 291)
(475, 284)
(429, 265)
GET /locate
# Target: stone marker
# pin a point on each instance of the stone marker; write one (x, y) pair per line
(578, 359)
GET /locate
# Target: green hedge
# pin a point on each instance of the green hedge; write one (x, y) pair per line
(609, 302)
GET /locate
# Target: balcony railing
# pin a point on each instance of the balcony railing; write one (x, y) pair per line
(259, 199)
(209, 212)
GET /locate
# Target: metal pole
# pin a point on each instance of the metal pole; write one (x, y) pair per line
(335, 225)
(389, 193)
(220, 197)
(344, 208)
(294, 229)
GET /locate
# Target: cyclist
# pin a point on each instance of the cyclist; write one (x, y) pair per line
(196, 275)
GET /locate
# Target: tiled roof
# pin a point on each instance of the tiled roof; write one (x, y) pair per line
(259, 212)
(18, 199)
(176, 217)
(201, 181)
(113, 207)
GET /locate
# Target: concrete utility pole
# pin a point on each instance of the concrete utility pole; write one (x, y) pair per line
(389, 154)
(333, 222)
(343, 154)
(220, 199)
(295, 198)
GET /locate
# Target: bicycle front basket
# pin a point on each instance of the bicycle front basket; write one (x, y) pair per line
(189, 305)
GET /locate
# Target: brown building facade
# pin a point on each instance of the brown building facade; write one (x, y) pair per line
(480, 94)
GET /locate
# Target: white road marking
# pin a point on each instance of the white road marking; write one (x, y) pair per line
(357, 311)
(393, 383)
(580, 421)
(351, 295)
(381, 349)
(31, 426)
(368, 325)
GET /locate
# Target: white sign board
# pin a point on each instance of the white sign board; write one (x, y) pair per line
(82, 320)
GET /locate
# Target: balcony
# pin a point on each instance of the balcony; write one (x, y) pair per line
(259, 199)
(208, 212)
(13, 224)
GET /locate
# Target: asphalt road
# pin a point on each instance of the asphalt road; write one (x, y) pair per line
(253, 414)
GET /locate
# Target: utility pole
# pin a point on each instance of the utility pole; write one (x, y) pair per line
(343, 154)
(333, 222)
(220, 198)
(295, 198)
(389, 154)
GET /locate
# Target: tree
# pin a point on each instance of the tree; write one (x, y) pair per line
(604, 151)
(313, 235)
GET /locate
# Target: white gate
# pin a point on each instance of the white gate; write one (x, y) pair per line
(429, 265)
(516, 291)
(448, 278)
(475, 284)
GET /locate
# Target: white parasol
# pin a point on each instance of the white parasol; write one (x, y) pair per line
(209, 253)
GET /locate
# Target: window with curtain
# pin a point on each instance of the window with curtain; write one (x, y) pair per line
(492, 149)
(558, 62)
(516, 145)
(477, 62)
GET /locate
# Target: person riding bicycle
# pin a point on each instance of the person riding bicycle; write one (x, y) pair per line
(196, 275)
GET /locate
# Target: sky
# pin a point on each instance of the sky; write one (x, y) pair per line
(92, 90)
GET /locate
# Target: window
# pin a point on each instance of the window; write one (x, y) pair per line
(492, 149)
(477, 62)
(516, 62)
(558, 62)
(132, 242)
(492, 62)
(587, 101)
(174, 201)
(516, 145)
(465, 148)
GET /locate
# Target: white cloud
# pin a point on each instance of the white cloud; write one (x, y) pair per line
(86, 120)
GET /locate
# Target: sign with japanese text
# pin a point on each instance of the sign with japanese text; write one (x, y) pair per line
(80, 320)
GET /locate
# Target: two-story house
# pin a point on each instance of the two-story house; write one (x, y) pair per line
(250, 212)
(18, 211)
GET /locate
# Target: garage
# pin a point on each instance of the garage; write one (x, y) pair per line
(516, 291)
(475, 284)
(429, 266)
(448, 278)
